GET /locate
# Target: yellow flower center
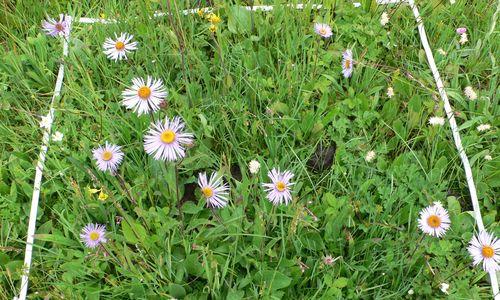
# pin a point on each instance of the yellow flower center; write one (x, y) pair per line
(207, 192)
(94, 236)
(119, 45)
(167, 136)
(434, 221)
(107, 155)
(59, 27)
(488, 251)
(144, 92)
(322, 31)
(280, 186)
(347, 63)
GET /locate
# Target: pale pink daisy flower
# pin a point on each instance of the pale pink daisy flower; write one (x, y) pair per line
(118, 48)
(57, 28)
(485, 248)
(347, 63)
(214, 190)
(322, 29)
(145, 95)
(108, 157)
(434, 220)
(461, 30)
(93, 234)
(166, 140)
(279, 190)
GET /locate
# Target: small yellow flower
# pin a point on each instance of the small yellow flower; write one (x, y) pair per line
(214, 19)
(200, 12)
(103, 16)
(212, 28)
(103, 196)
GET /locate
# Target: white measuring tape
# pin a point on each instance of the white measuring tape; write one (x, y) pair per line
(456, 134)
(39, 171)
(432, 65)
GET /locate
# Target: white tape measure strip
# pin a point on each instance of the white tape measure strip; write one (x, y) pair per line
(39, 172)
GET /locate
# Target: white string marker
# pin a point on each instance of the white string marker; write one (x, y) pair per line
(454, 129)
(39, 172)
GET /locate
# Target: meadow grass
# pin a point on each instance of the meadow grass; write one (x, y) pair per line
(263, 87)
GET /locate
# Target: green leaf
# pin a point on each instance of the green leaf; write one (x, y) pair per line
(239, 20)
(272, 279)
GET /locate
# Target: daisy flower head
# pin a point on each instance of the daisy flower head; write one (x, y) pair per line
(483, 127)
(279, 190)
(347, 63)
(322, 29)
(436, 121)
(214, 190)
(93, 234)
(57, 28)
(108, 157)
(167, 140)
(485, 248)
(470, 93)
(434, 220)
(118, 48)
(144, 96)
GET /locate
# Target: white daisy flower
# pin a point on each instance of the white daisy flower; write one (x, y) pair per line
(485, 248)
(436, 121)
(145, 95)
(469, 92)
(45, 122)
(434, 220)
(463, 38)
(215, 191)
(279, 190)
(57, 28)
(108, 157)
(488, 157)
(166, 140)
(324, 30)
(370, 156)
(254, 167)
(390, 92)
(384, 19)
(93, 234)
(118, 48)
(347, 63)
(57, 136)
(483, 127)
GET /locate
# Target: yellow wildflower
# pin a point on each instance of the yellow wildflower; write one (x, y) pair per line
(200, 12)
(214, 19)
(212, 28)
(103, 196)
